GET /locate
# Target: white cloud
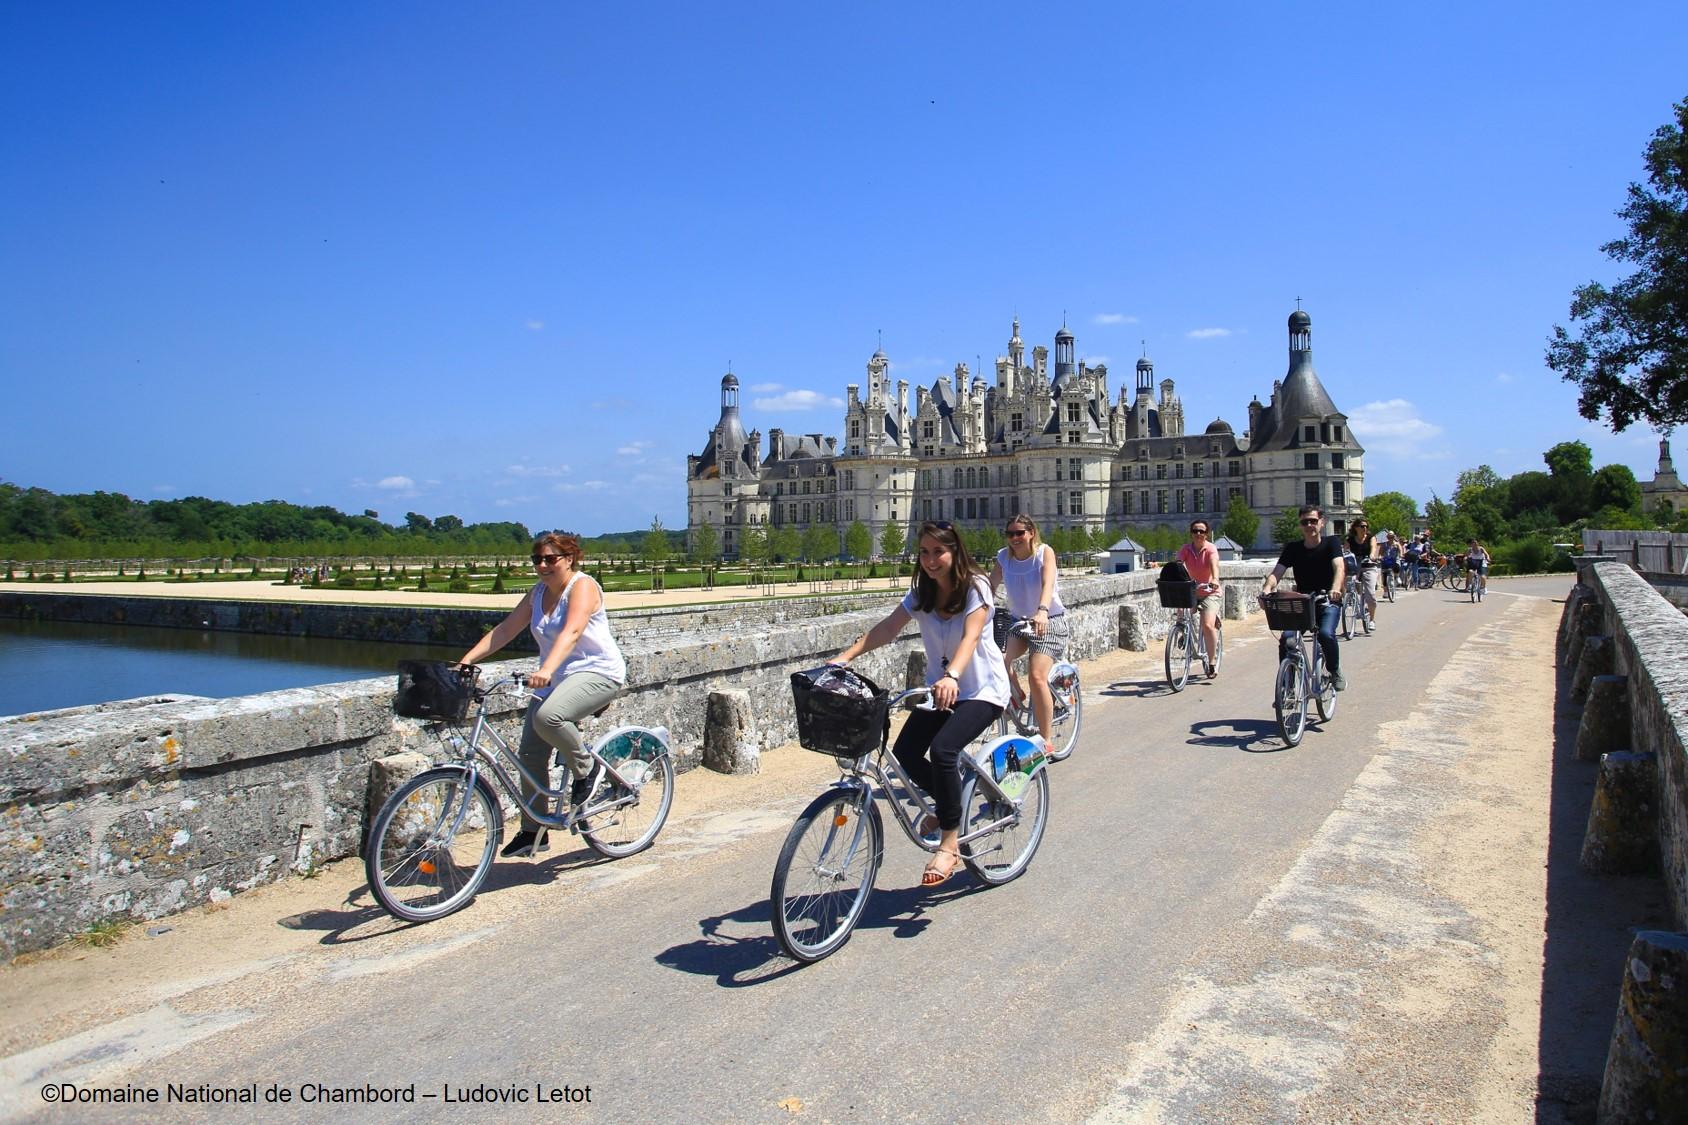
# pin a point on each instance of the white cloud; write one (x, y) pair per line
(583, 486)
(1506, 377)
(535, 326)
(1207, 333)
(1394, 427)
(529, 472)
(766, 388)
(635, 448)
(514, 501)
(1093, 360)
(1113, 318)
(396, 484)
(164, 489)
(798, 400)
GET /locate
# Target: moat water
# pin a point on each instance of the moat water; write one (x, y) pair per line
(47, 665)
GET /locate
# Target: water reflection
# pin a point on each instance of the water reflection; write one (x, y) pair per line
(50, 664)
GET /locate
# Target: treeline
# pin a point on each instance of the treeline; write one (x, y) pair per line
(38, 524)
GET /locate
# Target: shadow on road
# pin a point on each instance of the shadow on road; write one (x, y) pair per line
(742, 960)
(1138, 689)
(1590, 922)
(1252, 736)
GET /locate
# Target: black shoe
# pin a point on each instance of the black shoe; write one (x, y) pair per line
(1339, 681)
(581, 791)
(524, 843)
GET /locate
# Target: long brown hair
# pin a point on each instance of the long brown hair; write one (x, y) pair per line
(963, 570)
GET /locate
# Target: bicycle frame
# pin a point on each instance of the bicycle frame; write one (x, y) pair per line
(473, 755)
(1191, 621)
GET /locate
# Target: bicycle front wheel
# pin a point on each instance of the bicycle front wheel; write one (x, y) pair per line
(1004, 854)
(1289, 700)
(1178, 655)
(1365, 618)
(1324, 692)
(631, 828)
(432, 844)
(825, 874)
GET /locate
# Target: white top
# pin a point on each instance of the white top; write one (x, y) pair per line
(595, 651)
(1024, 580)
(986, 677)
(1477, 554)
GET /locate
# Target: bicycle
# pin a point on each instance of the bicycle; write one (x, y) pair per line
(1185, 640)
(1354, 610)
(826, 867)
(1390, 581)
(433, 842)
(1301, 678)
(1064, 689)
(1476, 587)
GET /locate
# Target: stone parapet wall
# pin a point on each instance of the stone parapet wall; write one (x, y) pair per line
(144, 808)
(1651, 638)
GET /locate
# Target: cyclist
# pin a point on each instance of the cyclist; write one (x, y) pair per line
(1477, 561)
(1366, 549)
(1201, 559)
(951, 600)
(1392, 558)
(1027, 567)
(580, 671)
(1317, 562)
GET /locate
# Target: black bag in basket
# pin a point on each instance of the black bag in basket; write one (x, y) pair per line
(840, 711)
(434, 689)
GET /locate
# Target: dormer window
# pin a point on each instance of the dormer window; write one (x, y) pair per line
(1309, 434)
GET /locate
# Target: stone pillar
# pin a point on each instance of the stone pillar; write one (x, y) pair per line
(1647, 1064)
(1133, 630)
(1590, 619)
(1597, 659)
(1622, 838)
(915, 676)
(387, 774)
(1605, 719)
(1579, 596)
(729, 737)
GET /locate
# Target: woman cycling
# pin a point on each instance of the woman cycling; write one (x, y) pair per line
(1027, 567)
(1477, 561)
(580, 671)
(951, 602)
(1367, 553)
(1201, 559)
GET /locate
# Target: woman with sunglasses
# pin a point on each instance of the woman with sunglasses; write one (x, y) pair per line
(1201, 559)
(580, 671)
(1027, 567)
(1368, 552)
(950, 600)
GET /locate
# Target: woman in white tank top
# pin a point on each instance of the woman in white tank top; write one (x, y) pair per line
(1027, 567)
(580, 671)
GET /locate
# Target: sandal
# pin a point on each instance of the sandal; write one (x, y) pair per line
(933, 875)
(928, 826)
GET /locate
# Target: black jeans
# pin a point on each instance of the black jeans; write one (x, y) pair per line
(944, 733)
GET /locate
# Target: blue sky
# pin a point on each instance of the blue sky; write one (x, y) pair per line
(493, 260)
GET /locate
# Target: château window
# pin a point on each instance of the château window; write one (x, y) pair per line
(849, 479)
(1309, 460)
(926, 430)
(1125, 503)
(1072, 437)
(1196, 470)
(1016, 421)
(1075, 503)
(1236, 468)
(1179, 498)
(1072, 413)
(1160, 473)
(1198, 502)
(1310, 492)
(1216, 498)
(1142, 472)
(1336, 460)
(1160, 501)
(1309, 434)
(728, 488)
(1143, 501)
(1336, 433)
(1178, 470)
(855, 427)
(1338, 494)
(1075, 469)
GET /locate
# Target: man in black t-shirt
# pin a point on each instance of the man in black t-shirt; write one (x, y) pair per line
(1317, 563)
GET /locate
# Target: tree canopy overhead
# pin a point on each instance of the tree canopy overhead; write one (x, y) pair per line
(1630, 358)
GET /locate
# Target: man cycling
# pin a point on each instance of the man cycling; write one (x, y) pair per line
(1317, 562)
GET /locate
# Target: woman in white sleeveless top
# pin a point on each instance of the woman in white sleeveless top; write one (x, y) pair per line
(580, 671)
(1027, 567)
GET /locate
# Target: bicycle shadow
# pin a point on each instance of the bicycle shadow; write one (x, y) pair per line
(354, 921)
(1136, 689)
(743, 961)
(1251, 736)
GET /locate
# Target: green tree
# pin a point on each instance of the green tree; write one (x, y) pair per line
(1391, 511)
(892, 543)
(1615, 486)
(654, 549)
(706, 543)
(1571, 467)
(1630, 358)
(1241, 524)
(785, 543)
(753, 545)
(858, 541)
(1286, 526)
(820, 542)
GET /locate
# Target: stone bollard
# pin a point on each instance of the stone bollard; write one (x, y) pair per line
(1235, 601)
(1597, 659)
(386, 775)
(1133, 634)
(1578, 596)
(1621, 838)
(1605, 719)
(1589, 621)
(1647, 1064)
(729, 737)
(915, 676)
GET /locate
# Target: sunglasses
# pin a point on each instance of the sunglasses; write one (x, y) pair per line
(941, 525)
(1310, 523)
(1198, 531)
(1018, 533)
(545, 560)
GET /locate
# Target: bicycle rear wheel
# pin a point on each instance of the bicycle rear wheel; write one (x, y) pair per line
(1218, 653)
(1004, 854)
(1178, 654)
(432, 844)
(825, 872)
(631, 828)
(1290, 701)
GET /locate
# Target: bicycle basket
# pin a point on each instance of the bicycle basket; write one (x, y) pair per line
(434, 689)
(840, 711)
(1289, 611)
(1177, 595)
(1001, 622)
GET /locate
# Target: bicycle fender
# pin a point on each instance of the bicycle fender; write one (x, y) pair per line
(1013, 761)
(643, 743)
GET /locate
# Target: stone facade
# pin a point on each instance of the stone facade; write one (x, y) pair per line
(1051, 442)
(1666, 489)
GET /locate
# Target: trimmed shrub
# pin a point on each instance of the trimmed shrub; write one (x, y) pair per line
(346, 582)
(422, 583)
(498, 584)
(459, 586)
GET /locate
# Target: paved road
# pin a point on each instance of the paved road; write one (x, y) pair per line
(1215, 928)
